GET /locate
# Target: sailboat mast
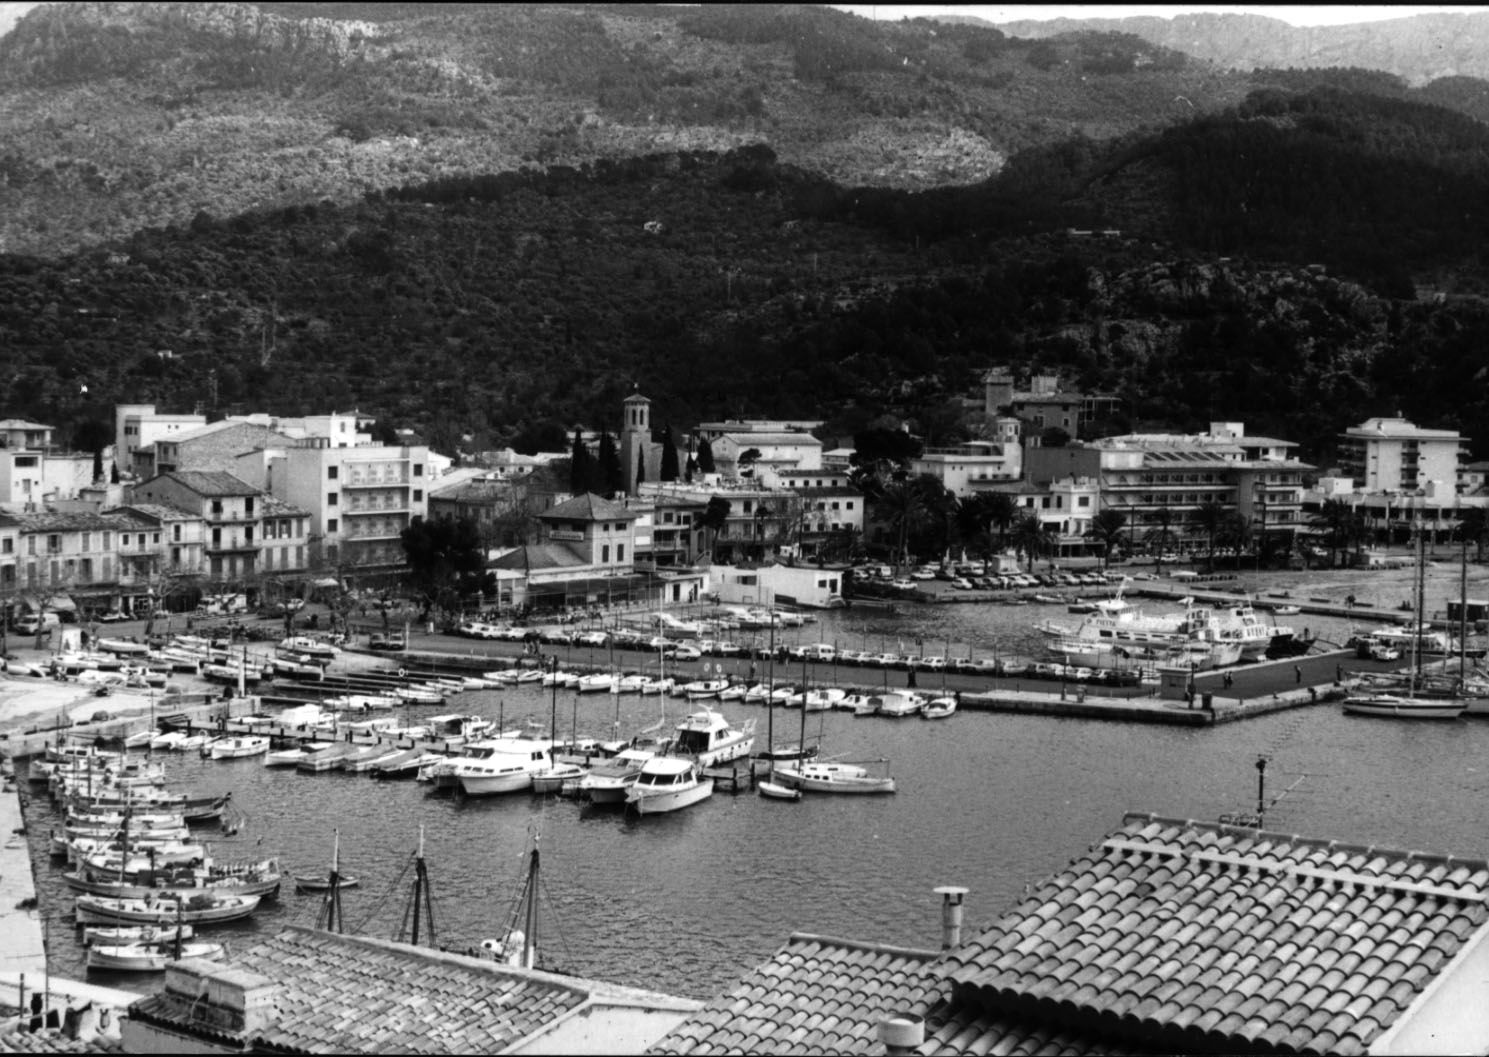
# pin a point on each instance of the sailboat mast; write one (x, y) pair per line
(419, 887)
(770, 692)
(1463, 615)
(530, 936)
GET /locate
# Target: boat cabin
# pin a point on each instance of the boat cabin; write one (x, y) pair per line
(665, 772)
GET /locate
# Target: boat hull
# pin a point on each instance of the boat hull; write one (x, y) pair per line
(672, 800)
(103, 911)
(146, 957)
(1393, 707)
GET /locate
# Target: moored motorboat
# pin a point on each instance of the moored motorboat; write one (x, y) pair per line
(201, 909)
(668, 783)
(938, 708)
(233, 748)
(292, 757)
(502, 765)
(775, 791)
(606, 783)
(708, 736)
(147, 957)
(120, 934)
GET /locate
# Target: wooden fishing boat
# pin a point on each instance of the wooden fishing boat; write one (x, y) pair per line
(197, 910)
(306, 883)
(114, 935)
(776, 791)
(147, 957)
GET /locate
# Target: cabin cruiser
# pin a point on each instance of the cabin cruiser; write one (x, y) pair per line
(502, 765)
(668, 783)
(606, 783)
(708, 736)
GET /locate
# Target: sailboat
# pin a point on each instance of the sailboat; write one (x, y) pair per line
(770, 788)
(1416, 702)
(519, 946)
(552, 778)
(317, 883)
(830, 776)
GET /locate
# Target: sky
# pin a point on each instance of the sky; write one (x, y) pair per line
(1294, 14)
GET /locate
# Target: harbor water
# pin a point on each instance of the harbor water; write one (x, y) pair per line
(686, 903)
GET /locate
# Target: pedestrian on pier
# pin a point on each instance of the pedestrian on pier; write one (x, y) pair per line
(1297, 674)
(1338, 674)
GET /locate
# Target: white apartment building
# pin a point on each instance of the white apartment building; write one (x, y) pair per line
(976, 466)
(360, 499)
(139, 426)
(1394, 455)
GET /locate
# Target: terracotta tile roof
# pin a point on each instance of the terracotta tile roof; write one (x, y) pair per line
(346, 994)
(816, 995)
(51, 1040)
(540, 556)
(1183, 935)
(588, 507)
(212, 482)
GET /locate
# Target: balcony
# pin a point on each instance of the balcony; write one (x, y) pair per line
(369, 479)
(233, 545)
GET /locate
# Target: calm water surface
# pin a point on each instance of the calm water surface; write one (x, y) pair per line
(686, 903)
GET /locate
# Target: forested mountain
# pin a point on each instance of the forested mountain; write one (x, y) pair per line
(1419, 48)
(493, 222)
(512, 307)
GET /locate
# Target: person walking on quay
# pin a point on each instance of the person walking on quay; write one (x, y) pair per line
(1297, 674)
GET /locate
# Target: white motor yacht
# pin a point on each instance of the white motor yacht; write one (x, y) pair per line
(501, 765)
(708, 736)
(607, 782)
(668, 783)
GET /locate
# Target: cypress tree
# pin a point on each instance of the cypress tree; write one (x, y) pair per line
(611, 477)
(705, 457)
(669, 455)
(581, 467)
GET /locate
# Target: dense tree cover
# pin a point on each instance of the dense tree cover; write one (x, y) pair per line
(446, 560)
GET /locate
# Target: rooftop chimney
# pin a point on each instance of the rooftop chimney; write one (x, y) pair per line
(902, 1033)
(951, 915)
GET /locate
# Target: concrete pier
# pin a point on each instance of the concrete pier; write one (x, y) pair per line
(23, 950)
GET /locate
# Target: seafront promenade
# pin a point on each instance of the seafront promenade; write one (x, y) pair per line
(24, 949)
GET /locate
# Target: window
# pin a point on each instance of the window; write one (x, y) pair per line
(108, 541)
(248, 507)
(848, 505)
(331, 498)
(1083, 501)
(54, 544)
(332, 525)
(620, 552)
(331, 472)
(247, 533)
(87, 542)
(216, 538)
(155, 538)
(175, 534)
(175, 555)
(418, 469)
(418, 496)
(217, 506)
(605, 553)
(7, 546)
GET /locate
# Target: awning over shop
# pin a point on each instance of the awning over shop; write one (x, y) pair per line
(53, 604)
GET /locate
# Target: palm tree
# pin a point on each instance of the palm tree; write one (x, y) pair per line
(1209, 517)
(713, 518)
(1106, 529)
(940, 508)
(1160, 538)
(1341, 524)
(1033, 538)
(1473, 525)
(1000, 510)
(903, 507)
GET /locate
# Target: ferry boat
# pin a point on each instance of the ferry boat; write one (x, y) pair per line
(708, 736)
(668, 783)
